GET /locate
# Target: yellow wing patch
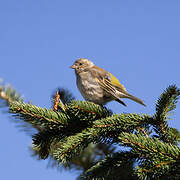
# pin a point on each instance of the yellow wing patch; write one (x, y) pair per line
(115, 82)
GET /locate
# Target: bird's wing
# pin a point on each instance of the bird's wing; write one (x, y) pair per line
(112, 85)
(108, 82)
(115, 82)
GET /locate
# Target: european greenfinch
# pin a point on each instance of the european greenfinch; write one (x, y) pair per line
(99, 86)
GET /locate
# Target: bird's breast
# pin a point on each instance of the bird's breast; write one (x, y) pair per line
(86, 82)
(89, 87)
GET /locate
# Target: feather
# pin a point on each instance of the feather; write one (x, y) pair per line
(112, 86)
(129, 96)
(115, 82)
(120, 101)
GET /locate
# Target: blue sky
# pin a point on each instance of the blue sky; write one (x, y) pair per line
(137, 41)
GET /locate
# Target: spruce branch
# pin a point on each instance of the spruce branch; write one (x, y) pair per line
(165, 104)
(151, 146)
(124, 121)
(114, 166)
(162, 170)
(73, 145)
(173, 135)
(57, 138)
(107, 127)
(74, 126)
(42, 142)
(9, 94)
(156, 157)
(87, 110)
(38, 116)
(79, 129)
(92, 154)
(76, 112)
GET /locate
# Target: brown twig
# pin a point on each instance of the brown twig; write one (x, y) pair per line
(143, 131)
(56, 101)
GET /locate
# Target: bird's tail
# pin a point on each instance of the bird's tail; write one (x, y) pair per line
(135, 99)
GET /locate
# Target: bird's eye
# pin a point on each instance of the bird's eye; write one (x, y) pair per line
(80, 64)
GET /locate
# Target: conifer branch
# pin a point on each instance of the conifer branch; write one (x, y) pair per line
(107, 127)
(153, 146)
(111, 166)
(75, 118)
(65, 135)
(8, 94)
(38, 116)
(87, 110)
(73, 145)
(166, 103)
(156, 157)
(118, 123)
(159, 170)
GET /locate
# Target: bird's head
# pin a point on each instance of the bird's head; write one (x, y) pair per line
(81, 65)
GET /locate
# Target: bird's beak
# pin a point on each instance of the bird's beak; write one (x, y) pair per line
(73, 67)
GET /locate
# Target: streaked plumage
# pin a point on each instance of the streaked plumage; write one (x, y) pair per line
(99, 86)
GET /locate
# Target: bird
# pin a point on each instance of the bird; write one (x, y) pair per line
(98, 85)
